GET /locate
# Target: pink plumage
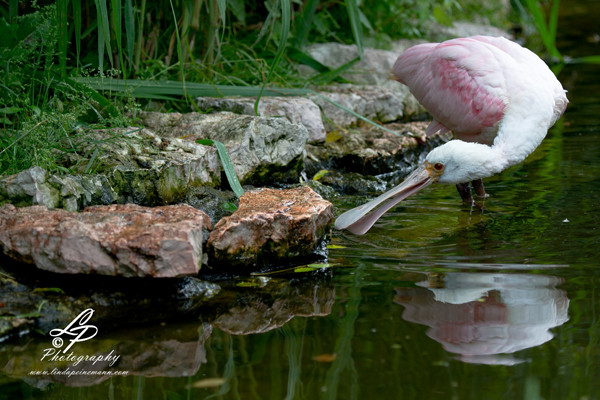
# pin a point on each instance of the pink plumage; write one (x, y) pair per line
(463, 82)
(498, 98)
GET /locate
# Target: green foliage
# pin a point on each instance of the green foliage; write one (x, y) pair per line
(545, 24)
(58, 60)
(41, 110)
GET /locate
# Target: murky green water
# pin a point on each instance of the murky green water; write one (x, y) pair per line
(437, 301)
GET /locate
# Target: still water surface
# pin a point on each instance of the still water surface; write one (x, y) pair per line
(438, 301)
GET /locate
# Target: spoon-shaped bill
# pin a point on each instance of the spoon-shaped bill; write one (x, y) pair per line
(360, 219)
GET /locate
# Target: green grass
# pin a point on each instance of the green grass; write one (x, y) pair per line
(75, 65)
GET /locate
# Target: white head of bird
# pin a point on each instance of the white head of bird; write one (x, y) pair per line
(499, 100)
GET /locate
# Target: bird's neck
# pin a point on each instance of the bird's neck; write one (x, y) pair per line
(519, 136)
(478, 161)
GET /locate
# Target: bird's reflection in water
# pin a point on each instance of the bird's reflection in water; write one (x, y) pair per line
(485, 317)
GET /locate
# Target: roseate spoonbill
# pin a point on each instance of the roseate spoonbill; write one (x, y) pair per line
(498, 98)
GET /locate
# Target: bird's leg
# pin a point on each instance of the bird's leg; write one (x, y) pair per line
(478, 187)
(465, 192)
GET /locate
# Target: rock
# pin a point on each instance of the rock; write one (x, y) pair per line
(383, 104)
(126, 240)
(147, 169)
(297, 110)
(372, 93)
(215, 203)
(29, 187)
(353, 183)
(80, 191)
(270, 226)
(463, 29)
(370, 151)
(263, 150)
(372, 69)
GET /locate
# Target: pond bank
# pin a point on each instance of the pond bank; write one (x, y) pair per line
(160, 163)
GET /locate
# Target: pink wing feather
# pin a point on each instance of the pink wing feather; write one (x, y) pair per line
(460, 83)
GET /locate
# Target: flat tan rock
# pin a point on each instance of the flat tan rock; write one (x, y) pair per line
(121, 239)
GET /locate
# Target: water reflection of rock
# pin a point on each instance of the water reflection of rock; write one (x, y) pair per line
(484, 316)
(163, 350)
(173, 348)
(271, 306)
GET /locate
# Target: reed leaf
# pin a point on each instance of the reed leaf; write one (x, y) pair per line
(157, 90)
(140, 38)
(77, 21)
(232, 178)
(286, 17)
(547, 31)
(553, 21)
(179, 49)
(116, 7)
(103, 33)
(63, 40)
(160, 89)
(595, 59)
(13, 10)
(304, 22)
(129, 29)
(354, 16)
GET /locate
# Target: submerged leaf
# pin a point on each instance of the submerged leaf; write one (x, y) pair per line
(208, 383)
(229, 207)
(324, 358)
(320, 174)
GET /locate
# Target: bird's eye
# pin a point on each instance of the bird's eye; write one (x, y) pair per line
(438, 166)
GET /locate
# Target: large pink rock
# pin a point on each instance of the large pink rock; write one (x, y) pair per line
(121, 239)
(269, 226)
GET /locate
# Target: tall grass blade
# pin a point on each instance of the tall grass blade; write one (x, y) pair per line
(159, 89)
(305, 21)
(116, 15)
(129, 30)
(286, 17)
(77, 21)
(13, 11)
(354, 16)
(222, 6)
(103, 33)
(585, 59)
(232, 178)
(140, 38)
(63, 31)
(153, 90)
(335, 74)
(553, 21)
(179, 49)
(545, 33)
(238, 10)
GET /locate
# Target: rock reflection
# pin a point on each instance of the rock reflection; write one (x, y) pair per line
(164, 350)
(485, 316)
(169, 348)
(271, 306)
